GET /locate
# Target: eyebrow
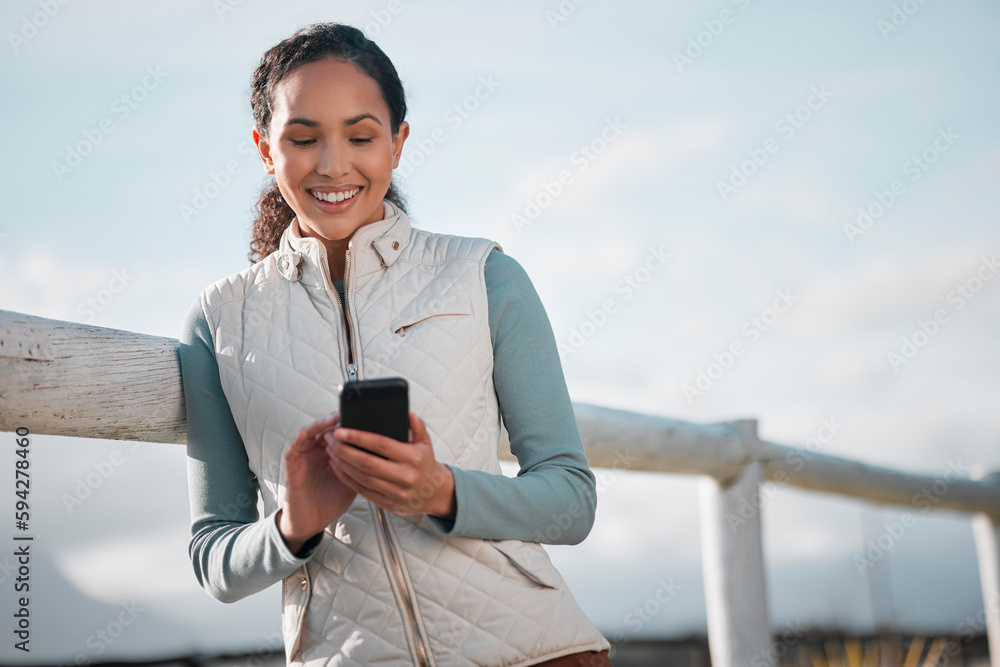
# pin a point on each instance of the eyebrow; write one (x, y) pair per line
(350, 121)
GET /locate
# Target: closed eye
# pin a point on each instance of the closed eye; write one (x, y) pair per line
(306, 142)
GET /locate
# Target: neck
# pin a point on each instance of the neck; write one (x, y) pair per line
(336, 250)
(336, 256)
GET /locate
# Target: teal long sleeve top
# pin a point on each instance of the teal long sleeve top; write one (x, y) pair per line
(553, 498)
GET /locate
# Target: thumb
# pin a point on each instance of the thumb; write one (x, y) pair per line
(418, 429)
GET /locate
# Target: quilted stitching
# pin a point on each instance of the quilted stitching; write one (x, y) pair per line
(281, 359)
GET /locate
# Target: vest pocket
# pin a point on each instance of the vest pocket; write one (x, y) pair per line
(403, 322)
(531, 559)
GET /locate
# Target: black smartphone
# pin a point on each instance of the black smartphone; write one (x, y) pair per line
(379, 406)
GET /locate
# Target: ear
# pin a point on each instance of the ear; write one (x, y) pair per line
(264, 149)
(398, 140)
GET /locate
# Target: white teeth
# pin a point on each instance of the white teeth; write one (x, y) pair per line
(335, 197)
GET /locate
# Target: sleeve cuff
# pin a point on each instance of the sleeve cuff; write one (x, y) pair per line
(278, 546)
(454, 527)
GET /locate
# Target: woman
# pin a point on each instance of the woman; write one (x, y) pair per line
(415, 552)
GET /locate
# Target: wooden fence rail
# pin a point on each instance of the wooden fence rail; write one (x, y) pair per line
(63, 378)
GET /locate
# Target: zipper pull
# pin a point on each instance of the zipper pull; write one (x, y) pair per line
(352, 372)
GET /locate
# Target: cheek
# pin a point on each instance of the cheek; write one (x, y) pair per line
(289, 168)
(380, 166)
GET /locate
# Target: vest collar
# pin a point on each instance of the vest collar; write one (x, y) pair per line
(373, 246)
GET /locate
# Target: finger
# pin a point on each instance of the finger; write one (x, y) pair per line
(362, 464)
(305, 439)
(374, 442)
(421, 448)
(298, 443)
(332, 422)
(410, 506)
(321, 425)
(307, 435)
(345, 479)
(314, 429)
(388, 501)
(418, 429)
(368, 485)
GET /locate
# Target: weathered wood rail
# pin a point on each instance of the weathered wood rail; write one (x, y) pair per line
(63, 378)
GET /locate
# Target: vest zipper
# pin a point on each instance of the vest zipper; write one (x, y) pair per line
(352, 366)
(404, 591)
(410, 612)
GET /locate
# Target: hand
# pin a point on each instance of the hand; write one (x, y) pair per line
(409, 480)
(314, 495)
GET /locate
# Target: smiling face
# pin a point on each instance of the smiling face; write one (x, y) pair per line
(331, 149)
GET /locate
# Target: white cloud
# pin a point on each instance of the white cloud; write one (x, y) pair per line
(600, 187)
(799, 196)
(884, 292)
(135, 293)
(119, 568)
(847, 370)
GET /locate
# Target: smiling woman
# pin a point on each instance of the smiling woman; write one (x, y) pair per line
(389, 551)
(332, 144)
(354, 102)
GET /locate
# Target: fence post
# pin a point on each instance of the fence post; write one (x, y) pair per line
(739, 628)
(986, 530)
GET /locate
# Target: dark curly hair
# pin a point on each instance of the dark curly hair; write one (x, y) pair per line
(306, 45)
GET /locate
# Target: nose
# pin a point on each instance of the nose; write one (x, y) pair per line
(332, 161)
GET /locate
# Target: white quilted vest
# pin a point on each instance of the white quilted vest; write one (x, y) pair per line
(381, 588)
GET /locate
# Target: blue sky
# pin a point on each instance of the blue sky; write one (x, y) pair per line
(588, 153)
